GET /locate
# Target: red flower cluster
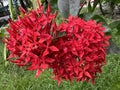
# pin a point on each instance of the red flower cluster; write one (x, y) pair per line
(81, 50)
(30, 39)
(75, 49)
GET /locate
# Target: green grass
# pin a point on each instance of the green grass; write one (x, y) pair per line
(116, 36)
(16, 78)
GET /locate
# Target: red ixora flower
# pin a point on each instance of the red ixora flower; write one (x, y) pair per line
(82, 50)
(30, 39)
(75, 49)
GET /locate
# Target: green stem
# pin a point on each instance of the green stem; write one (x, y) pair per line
(35, 4)
(11, 9)
(4, 53)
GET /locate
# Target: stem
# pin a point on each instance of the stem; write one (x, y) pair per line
(12, 17)
(4, 54)
(84, 2)
(11, 9)
(112, 7)
(101, 9)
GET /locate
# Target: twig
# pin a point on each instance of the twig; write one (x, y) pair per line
(84, 2)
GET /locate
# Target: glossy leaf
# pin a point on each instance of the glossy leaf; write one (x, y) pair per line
(89, 6)
(95, 3)
(99, 18)
(114, 24)
(69, 7)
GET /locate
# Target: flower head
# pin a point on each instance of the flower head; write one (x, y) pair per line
(82, 50)
(75, 49)
(30, 39)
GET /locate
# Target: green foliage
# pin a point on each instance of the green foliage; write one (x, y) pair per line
(115, 36)
(99, 18)
(114, 1)
(63, 6)
(3, 33)
(11, 9)
(115, 24)
(53, 4)
(91, 8)
(69, 7)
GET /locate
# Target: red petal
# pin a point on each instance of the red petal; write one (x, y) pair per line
(42, 40)
(22, 10)
(49, 60)
(45, 37)
(32, 67)
(33, 55)
(59, 81)
(38, 73)
(76, 70)
(10, 56)
(44, 66)
(16, 61)
(89, 59)
(86, 67)
(75, 53)
(53, 48)
(87, 74)
(107, 37)
(48, 9)
(80, 75)
(46, 52)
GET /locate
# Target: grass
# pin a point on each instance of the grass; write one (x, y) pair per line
(15, 78)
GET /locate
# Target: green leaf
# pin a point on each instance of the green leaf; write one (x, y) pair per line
(118, 28)
(107, 30)
(114, 24)
(86, 16)
(99, 18)
(69, 7)
(2, 32)
(95, 4)
(89, 7)
(74, 7)
(63, 6)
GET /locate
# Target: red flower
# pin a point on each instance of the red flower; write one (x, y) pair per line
(75, 49)
(82, 50)
(30, 40)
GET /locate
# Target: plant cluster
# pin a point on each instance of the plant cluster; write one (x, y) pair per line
(75, 49)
